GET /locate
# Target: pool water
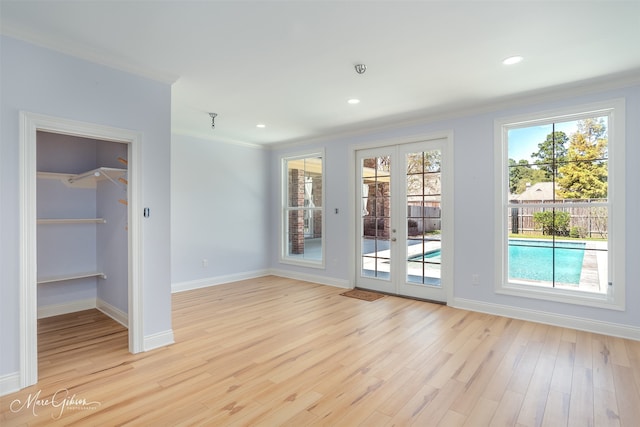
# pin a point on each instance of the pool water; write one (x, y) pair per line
(534, 260)
(432, 257)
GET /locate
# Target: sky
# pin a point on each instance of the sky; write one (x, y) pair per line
(524, 141)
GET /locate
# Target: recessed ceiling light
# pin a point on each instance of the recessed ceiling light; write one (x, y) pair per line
(261, 125)
(512, 60)
(353, 101)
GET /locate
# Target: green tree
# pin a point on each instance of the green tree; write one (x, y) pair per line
(423, 172)
(550, 152)
(553, 222)
(521, 173)
(516, 171)
(584, 176)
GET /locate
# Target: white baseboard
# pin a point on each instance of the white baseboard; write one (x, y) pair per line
(313, 278)
(158, 340)
(86, 304)
(113, 312)
(218, 280)
(69, 307)
(580, 323)
(9, 383)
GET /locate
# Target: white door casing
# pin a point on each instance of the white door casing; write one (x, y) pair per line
(382, 253)
(30, 124)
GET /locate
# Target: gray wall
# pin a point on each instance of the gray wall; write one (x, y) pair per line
(42, 81)
(112, 251)
(218, 210)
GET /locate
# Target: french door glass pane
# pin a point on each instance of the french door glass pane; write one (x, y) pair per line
(423, 189)
(376, 217)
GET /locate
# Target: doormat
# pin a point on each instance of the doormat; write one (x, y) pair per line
(363, 295)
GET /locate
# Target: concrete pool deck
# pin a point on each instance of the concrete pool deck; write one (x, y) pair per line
(383, 256)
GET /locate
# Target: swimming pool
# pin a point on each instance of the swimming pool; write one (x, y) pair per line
(430, 257)
(533, 260)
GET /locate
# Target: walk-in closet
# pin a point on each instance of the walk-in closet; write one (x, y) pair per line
(82, 226)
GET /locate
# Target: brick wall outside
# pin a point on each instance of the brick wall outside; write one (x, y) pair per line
(317, 201)
(296, 218)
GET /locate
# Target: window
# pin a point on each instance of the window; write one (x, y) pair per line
(302, 214)
(560, 214)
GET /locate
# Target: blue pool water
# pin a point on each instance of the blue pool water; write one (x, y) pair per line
(432, 257)
(534, 259)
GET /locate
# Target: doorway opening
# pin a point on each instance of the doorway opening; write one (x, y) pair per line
(79, 184)
(404, 219)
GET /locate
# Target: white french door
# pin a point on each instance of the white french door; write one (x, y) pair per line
(400, 234)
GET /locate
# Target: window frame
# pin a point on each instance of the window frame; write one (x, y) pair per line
(614, 298)
(285, 258)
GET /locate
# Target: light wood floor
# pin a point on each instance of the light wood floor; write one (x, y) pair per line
(276, 351)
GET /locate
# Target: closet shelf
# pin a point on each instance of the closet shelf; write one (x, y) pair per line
(52, 279)
(99, 174)
(71, 221)
(87, 179)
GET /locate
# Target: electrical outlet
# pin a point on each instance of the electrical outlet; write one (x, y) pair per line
(475, 279)
(205, 263)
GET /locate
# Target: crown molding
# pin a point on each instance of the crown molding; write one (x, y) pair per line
(432, 115)
(74, 49)
(217, 139)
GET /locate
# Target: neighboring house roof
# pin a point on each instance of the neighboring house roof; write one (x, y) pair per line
(540, 191)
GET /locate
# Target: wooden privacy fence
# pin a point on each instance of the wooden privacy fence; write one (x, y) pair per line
(420, 220)
(585, 221)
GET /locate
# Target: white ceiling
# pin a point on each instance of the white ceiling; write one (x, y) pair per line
(290, 65)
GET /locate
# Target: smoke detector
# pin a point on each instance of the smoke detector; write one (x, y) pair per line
(360, 68)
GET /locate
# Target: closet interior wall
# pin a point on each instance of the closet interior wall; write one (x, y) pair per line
(81, 246)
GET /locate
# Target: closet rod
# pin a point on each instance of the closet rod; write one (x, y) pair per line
(73, 179)
(95, 174)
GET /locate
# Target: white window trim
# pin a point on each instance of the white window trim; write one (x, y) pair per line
(615, 298)
(284, 258)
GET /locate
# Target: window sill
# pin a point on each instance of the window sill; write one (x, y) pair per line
(302, 263)
(562, 296)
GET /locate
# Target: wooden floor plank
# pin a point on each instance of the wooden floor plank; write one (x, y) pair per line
(581, 406)
(276, 351)
(482, 413)
(605, 412)
(534, 404)
(508, 409)
(452, 419)
(627, 395)
(556, 412)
